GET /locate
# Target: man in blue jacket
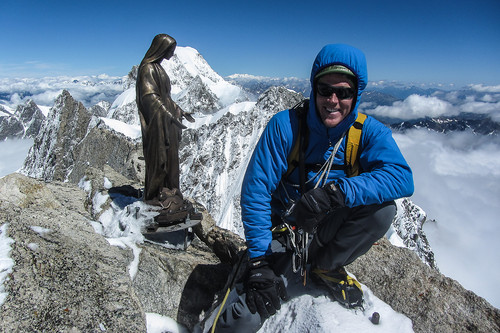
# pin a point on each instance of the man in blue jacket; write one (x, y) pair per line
(345, 215)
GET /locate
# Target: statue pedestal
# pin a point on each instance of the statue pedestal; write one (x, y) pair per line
(178, 233)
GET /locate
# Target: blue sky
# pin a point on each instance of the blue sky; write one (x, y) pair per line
(418, 41)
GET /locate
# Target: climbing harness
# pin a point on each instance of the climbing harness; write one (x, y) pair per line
(297, 239)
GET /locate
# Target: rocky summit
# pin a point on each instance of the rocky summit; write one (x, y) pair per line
(67, 277)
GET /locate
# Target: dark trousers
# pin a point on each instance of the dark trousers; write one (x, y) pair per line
(349, 233)
(341, 238)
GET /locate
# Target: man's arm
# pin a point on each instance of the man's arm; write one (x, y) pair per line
(264, 172)
(386, 174)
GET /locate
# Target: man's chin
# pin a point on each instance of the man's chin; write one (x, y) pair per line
(330, 121)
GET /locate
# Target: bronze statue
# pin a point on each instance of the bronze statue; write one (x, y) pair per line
(161, 125)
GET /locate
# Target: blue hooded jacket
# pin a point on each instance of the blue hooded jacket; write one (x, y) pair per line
(385, 174)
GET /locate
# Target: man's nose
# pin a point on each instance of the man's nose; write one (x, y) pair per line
(333, 98)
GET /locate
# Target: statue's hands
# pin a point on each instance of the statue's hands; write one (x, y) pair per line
(178, 123)
(173, 119)
(188, 116)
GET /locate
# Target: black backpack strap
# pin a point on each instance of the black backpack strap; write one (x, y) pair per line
(296, 157)
(304, 142)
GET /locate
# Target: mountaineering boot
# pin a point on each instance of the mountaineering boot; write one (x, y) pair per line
(344, 288)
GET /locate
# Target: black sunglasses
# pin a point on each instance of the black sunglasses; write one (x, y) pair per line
(326, 90)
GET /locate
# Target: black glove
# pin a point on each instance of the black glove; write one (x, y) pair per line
(263, 288)
(315, 204)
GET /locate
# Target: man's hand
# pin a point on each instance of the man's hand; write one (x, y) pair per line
(263, 288)
(315, 204)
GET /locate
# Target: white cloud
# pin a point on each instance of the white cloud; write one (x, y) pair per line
(414, 107)
(456, 182)
(88, 89)
(13, 154)
(440, 104)
(482, 88)
(492, 109)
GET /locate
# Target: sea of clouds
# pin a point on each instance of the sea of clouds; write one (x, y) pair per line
(478, 99)
(456, 182)
(89, 90)
(457, 177)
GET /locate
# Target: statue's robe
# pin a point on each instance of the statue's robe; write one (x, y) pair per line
(160, 137)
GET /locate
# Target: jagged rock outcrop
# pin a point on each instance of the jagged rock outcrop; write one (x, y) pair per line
(100, 109)
(71, 140)
(408, 223)
(10, 127)
(24, 123)
(105, 146)
(67, 277)
(31, 117)
(51, 157)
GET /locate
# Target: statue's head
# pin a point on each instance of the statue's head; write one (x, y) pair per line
(162, 47)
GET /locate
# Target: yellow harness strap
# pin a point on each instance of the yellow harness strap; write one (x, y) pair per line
(352, 145)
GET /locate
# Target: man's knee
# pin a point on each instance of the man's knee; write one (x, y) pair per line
(380, 219)
(236, 317)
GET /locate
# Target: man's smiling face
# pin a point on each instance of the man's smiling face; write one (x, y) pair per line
(333, 109)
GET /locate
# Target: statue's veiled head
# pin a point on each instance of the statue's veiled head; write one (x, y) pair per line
(162, 47)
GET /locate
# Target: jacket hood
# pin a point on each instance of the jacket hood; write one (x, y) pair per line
(350, 57)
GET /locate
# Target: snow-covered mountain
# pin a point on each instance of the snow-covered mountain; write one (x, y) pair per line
(256, 85)
(196, 88)
(214, 156)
